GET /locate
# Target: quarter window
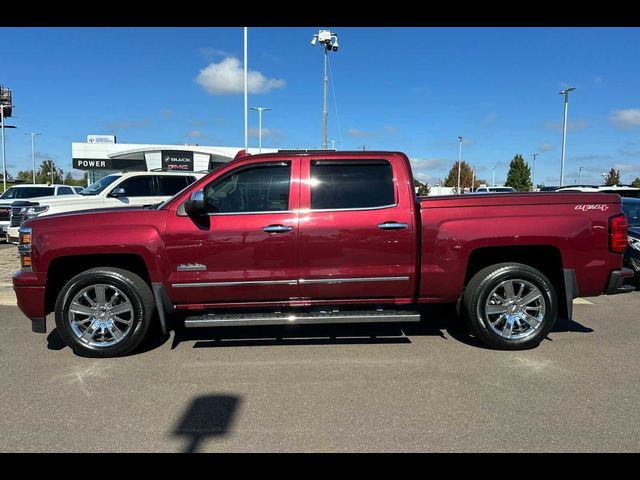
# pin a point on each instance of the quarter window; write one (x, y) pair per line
(262, 188)
(358, 184)
(65, 191)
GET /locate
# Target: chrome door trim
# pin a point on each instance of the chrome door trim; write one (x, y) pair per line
(233, 284)
(291, 282)
(352, 280)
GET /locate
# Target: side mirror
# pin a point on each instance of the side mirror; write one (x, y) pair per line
(117, 192)
(195, 205)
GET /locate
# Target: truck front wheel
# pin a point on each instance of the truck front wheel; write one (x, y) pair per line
(104, 312)
(510, 306)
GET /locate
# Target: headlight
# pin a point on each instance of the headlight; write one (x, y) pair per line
(35, 211)
(634, 243)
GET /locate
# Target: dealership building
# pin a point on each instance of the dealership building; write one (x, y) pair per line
(101, 156)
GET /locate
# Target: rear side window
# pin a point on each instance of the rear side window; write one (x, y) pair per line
(65, 191)
(172, 185)
(141, 186)
(358, 184)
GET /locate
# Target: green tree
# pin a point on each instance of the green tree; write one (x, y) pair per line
(25, 176)
(68, 179)
(49, 173)
(519, 176)
(466, 175)
(612, 178)
(423, 188)
(636, 182)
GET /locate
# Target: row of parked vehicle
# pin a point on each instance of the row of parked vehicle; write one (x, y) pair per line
(20, 203)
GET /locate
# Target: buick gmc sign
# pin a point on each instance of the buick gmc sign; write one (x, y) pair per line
(177, 160)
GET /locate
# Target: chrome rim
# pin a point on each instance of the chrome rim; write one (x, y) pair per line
(514, 309)
(101, 315)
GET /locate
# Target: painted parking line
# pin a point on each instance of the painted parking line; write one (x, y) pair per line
(582, 301)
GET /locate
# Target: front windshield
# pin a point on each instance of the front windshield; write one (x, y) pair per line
(27, 192)
(100, 185)
(632, 211)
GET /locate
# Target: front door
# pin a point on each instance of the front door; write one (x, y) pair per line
(357, 237)
(245, 248)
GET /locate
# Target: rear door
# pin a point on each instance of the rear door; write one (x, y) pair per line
(138, 190)
(357, 235)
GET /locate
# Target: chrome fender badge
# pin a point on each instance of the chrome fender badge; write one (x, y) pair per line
(190, 267)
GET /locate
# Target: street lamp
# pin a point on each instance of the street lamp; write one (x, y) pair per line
(580, 176)
(459, 161)
(564, 92)
(473, 178)
(33, 153)
(329, 42)
(533, 173)
(4, 154)
(260, 110)
(493, 183)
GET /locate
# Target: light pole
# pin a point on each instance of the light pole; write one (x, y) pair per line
(533, 173)
(564, 92)
(580, 176)
(493, 183)
(459, 161)
(246, 95)
(33, 153)
(4, 158)
(260, 110)
(329, 41)
(473, 178)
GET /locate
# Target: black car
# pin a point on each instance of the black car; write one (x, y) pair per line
(631, 207)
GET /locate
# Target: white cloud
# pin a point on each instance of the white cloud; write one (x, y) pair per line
(356, 132)
(417, 163)
(126, 124)
(597, 80)
(546, 147)
(195, 134)
(627, 167)
(424, 178)
(627, 118)
(227, 78)
(266, 132)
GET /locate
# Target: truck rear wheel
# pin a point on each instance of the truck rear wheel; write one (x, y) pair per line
(104, 312)
(510, 306)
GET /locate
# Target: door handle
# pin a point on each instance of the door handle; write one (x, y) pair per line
(277, 228)
(392, 226)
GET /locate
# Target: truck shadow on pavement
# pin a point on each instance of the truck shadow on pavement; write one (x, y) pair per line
(437, 320)
(207, 416)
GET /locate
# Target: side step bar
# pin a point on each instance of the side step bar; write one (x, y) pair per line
(297, 318)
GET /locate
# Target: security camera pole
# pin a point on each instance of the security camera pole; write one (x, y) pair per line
(260, 110)
(564, 129)
(329, 41)
(459, 161)
(33, 153)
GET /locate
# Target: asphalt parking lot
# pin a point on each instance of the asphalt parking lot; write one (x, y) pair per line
(426, 387)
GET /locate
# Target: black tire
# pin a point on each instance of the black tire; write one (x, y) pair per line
(477, 293)
(131, 285)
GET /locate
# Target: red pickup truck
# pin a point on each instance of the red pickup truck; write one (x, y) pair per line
(318, 237)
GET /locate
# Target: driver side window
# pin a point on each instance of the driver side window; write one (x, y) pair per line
(259, 188)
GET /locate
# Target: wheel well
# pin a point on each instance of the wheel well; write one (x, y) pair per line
(545, 258)
(63, 269)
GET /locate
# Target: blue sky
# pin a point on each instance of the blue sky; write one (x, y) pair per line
(409, 89)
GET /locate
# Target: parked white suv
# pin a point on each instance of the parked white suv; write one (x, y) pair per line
(112, 191)
(495, 190)
(28, 190)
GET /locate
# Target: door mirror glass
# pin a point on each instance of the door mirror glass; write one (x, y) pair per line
(117, 192)
(195, 205)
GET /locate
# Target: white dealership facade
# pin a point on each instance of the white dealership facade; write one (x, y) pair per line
(101, 158)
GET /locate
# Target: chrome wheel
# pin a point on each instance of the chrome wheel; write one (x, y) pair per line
(514, 309)
(101, 315)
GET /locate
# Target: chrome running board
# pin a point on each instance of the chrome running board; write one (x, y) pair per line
(298, 318)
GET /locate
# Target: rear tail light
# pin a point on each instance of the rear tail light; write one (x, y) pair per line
(618, 233)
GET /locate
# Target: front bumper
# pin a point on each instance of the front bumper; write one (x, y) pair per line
(30, 294)
(12, 235)
(616, 282)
